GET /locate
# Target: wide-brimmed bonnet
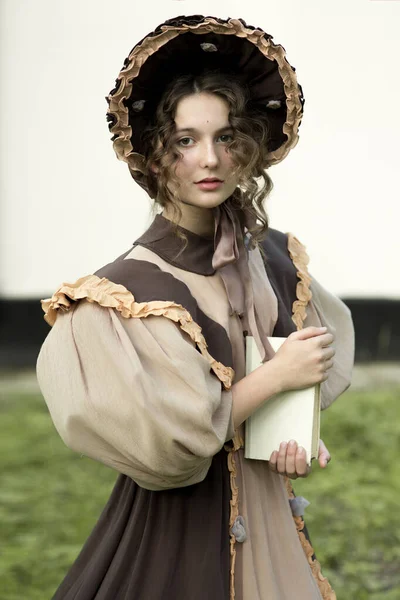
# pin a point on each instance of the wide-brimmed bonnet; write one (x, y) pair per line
(191, 45)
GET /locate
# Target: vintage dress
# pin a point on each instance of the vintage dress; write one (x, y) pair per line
(131, 380)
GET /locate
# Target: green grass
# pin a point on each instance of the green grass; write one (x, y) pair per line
(50, 498)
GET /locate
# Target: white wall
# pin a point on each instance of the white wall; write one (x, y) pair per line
(67, 206)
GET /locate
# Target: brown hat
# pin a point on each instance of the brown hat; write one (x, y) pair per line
(194, 44)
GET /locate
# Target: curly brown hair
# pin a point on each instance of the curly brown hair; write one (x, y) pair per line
(248, 149)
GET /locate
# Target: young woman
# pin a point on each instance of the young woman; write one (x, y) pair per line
(144, 368)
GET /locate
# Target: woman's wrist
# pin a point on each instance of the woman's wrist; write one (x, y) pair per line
(252, 391)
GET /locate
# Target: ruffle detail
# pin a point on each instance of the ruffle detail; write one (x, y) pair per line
(118, 112)
(300, 260)
(324, 586)
(237, 443)
(112, 295)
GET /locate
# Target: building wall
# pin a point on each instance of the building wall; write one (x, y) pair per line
(67, 206)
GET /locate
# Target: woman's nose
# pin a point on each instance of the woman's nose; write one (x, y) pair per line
(209, 156)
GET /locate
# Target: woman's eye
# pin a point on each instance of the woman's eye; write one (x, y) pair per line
(186, 141)
(226, 138)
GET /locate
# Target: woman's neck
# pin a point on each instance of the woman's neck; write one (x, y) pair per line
(193, 218)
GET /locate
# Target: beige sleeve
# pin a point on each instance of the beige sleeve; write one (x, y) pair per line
(134, 394)
(327, 310)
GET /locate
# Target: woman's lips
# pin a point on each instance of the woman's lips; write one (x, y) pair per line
(209, 185)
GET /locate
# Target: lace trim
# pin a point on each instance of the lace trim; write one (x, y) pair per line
(119, 112)
(324, 586)
(300, 260)
(234, 504)
(112, 295)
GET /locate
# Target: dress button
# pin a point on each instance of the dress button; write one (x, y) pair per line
(298, 504)
(239, 530)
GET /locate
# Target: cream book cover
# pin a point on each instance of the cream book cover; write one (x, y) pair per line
(292, 415)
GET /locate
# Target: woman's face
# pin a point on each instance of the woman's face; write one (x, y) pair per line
(205, 172)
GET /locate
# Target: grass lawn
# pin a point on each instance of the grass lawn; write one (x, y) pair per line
(50, 498)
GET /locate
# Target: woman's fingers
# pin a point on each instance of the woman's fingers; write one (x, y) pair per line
(328, 353)
(272, 461)
(326, 340)
(324, 455)
(321, 335)
(328, 362)
(289, 460)
(302, 468)
(281, 461)
(308, 332)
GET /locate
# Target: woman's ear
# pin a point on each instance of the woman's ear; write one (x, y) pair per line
(154, 168)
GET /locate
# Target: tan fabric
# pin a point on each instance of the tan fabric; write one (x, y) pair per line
(329, 311)
(209, 291)
(211, 297)
(134, 394)
(265, 301)
(270, 564)
(143, 400)
(110, 295)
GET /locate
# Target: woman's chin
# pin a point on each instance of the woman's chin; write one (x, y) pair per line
(207, 200)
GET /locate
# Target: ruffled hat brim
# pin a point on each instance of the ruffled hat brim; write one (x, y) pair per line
(175, 48)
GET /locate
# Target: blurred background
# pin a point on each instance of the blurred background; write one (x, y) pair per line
(67, 207)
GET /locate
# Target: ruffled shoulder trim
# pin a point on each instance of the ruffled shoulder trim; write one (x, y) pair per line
(300, 260)
(112, 295)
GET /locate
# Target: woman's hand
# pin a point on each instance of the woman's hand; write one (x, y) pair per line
(291, 460)
(304, 358)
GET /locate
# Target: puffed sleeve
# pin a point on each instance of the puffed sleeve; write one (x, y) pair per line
(326, 310)
(134, 394)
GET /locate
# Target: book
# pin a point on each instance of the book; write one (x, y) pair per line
(291, 415)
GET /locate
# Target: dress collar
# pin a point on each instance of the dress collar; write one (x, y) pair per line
(225, 252)
(195, 255)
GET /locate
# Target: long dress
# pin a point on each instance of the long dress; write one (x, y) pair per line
(137, 373)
